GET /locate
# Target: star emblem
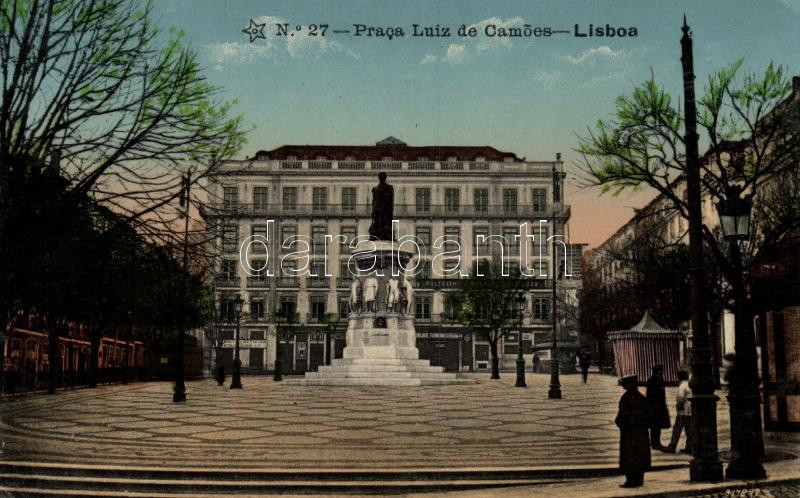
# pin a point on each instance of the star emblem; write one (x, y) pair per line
(255, 31)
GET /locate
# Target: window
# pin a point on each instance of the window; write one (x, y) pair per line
(540, 242)
(347, 272)
(422, 308)
(480, 247)
(259, 269)
(289, 198)
(348, 199)
(540, 269)
(451, 244)
(484, 267)
(260, 198)
(316, 306)
(228, 269)
(318, 269)
(451, 236)
(230, 238)
(481, 200)
(227, 308)
(256, 310)
(451, 200)
(344, 308)
(288, 232)
(511, 267)
(510, 200)
(541, 308)
(539, 200)
(349, 234)
(256, 335)
(424, 270)
(318, 239)
(319, 198)
(259, 241)
(452, 305)
(423, 235)
(423, 200)
(511, 240)
(230, 197)
(288, 307)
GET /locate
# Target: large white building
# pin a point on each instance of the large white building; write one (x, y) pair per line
(439, 192)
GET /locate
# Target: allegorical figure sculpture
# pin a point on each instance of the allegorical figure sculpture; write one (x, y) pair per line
(355, 290)
(370, 293)
(392, 294)
(382, 210)
(408, 296)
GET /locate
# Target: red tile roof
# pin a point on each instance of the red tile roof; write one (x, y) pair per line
(378, 152)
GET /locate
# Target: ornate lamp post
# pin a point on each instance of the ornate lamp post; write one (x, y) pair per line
(747, 439)
(705, 464)
(555, 384)
(236, 380)
(520, 359)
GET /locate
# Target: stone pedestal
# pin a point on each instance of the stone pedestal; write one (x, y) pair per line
(381, 341)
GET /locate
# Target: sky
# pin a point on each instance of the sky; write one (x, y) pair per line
(533, 96)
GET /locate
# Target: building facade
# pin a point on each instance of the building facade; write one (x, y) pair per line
(444, 196)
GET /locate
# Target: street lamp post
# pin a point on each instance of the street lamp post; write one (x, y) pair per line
(520, 358)
(236, 380)
(179, 393)
(705, 464)
(747, 439)
(555, 384)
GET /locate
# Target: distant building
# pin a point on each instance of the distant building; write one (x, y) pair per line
(440, 191)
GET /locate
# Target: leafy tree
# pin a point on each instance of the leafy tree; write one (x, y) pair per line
(489, 306)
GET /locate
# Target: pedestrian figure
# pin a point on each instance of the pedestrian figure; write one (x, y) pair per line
(585, 362)
(220, 375)
(536, 364)
(634, 447)
(657, 407)
(683, 415)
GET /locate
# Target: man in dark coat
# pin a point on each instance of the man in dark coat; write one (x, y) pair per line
(585, 361)
(634, 447)
(657, 407)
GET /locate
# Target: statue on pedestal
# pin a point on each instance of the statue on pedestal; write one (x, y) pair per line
(408, 296)
(382, 210)
(392, 294)
(370, 294)
(355, 290)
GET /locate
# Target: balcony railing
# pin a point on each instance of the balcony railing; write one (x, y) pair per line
(318, 282)
(257, 282)
(288, 282)
(226, 282)
(524, 212)
(344, 281)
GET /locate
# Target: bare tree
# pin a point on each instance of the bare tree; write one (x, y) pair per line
(89, 89)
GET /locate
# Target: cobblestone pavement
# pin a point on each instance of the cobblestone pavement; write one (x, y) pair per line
(269, 424)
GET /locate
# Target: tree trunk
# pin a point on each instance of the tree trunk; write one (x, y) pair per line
(93, 361)
(495, 360)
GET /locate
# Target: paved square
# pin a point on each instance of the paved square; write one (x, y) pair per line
(489, 424)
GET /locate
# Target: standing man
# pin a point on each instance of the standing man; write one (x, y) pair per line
(585, 362)
(657, 407)
(683, 414)
(634, 447)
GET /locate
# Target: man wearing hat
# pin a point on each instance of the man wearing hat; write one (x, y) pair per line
(634, 440)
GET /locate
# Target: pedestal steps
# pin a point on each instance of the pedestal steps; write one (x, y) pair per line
(379, 372)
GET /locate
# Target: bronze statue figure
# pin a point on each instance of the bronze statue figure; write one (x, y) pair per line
(382, 210)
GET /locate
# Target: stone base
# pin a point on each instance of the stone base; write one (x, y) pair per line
(381, 342)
